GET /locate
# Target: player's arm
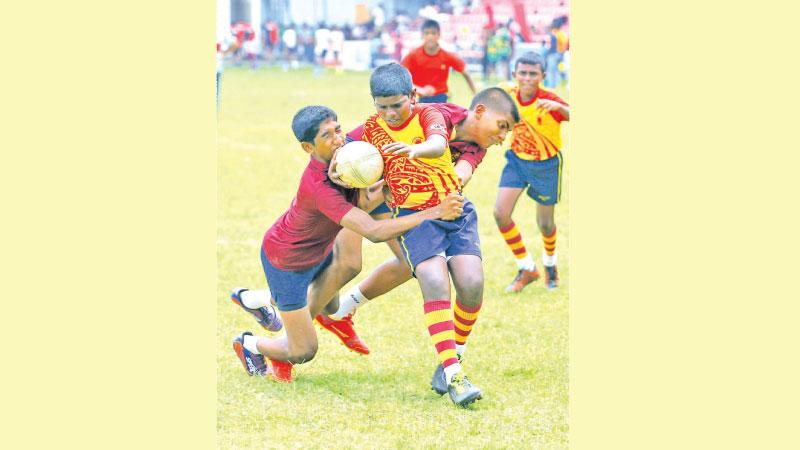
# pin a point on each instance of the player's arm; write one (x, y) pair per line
(369, 198)
(470, 83)
(464, 170)
(383, 230)
(554, 106)
(460, 66)
(433, 147)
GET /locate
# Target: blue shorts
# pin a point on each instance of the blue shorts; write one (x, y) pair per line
(441, 237)
(289, 288)
(383, 208)
(440, 98)
(542, 178)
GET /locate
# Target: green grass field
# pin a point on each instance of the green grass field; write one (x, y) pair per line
(518, 350)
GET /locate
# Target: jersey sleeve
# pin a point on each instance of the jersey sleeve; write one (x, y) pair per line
(469, 152)
(433, 122)
(552, 96)
(357, 134)
(334, 203)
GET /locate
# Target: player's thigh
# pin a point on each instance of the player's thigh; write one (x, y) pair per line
(347, 250)
(466, 272)
(300, 333)
(434, 279)
(506, 201)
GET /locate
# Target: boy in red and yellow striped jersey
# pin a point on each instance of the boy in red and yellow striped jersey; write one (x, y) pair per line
(534, 163)
(419, 172)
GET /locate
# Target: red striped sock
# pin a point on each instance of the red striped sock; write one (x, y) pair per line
(439, 320)
(550, 245)
(464, 318)
(513, 239)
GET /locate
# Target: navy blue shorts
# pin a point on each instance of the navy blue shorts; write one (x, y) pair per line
(542, 178)
(289, 288)
(383, 208)
(440, 98)
(441, 237)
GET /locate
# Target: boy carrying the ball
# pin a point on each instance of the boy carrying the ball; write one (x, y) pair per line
(303, 267)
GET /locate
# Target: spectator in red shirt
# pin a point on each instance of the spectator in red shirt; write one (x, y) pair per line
(430, 66)
(303, 270)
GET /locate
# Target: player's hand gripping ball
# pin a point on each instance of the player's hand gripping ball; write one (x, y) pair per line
(359, 164)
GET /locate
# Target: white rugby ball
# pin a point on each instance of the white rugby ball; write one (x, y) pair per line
(359, 164)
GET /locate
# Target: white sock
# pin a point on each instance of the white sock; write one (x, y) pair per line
(526, 263)
(250, 344)
(451, 370)
(460, 349)
(255, 299)
(550, 261)
(349, 303)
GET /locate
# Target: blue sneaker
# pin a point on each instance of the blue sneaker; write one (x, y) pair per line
(253, 363)
(266, 316)
(461, 391)
(438, 383)
(550, 277)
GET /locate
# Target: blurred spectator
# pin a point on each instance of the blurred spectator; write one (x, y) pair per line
(322, 38)
(290, 47)
(336, 44)
(499, 52)
(242, 31)
(269, 39)
(306, 44)
(554, 56)
(226, 44)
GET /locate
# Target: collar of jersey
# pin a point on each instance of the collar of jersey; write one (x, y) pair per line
(404, 124)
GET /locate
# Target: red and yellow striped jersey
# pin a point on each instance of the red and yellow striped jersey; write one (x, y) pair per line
(419, 183)
(537, 136)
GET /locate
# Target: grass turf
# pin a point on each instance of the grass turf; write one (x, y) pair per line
(518, 351)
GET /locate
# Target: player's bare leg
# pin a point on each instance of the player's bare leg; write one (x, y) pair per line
(545, 218)
(325, 289)
(503, 208)
(434, 281)
(390, 274)
(297, 346)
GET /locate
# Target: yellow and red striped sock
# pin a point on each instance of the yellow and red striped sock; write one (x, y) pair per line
(439, 320)
(464, 318)
(549, 248)
(514, 240)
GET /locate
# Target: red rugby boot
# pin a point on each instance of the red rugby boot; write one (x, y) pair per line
(343, 329)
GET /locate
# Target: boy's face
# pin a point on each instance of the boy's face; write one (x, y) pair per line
(395, 109)
(328, 139)
(491, 127)
(528, 77)
(430, 37)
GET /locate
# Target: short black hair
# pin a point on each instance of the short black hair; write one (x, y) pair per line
(531, 58)
(306, 122)
(430, 23)
(389, 80)
(496, 100)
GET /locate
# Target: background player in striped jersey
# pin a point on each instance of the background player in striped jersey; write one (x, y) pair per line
(534, 163)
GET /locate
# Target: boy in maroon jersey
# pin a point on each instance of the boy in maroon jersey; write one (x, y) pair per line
(298, 256)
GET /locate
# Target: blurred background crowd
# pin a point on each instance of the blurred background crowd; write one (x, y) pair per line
(362, 34)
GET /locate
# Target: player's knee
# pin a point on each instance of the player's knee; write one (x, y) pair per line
(471, 292)
(546, 225)
(502, 216)
(304, 355)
